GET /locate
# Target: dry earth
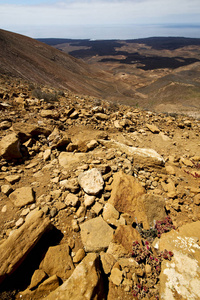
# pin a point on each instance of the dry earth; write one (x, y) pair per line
(81, 180)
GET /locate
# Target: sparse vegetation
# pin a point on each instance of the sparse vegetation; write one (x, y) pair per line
(145, 256)
(47, 96)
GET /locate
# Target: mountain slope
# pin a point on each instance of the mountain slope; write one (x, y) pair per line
(34, 61)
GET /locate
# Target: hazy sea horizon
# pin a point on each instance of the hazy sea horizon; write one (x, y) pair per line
(104, 32)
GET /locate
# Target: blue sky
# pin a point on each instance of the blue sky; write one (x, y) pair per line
(100, 18)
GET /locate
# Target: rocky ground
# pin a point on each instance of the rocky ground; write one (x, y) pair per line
(97, 201)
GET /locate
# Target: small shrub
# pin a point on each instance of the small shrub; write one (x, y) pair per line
(147, 287)
(47, 96)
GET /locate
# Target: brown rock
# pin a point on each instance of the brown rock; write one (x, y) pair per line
(22, 196)
(107, 261)
(197, 199)
(125, 235)
(37, 278)
(10, 147)
(153, 128)
(116, 276)
(57, 261)
(154, 207)
(126, 197)
(15, 249)
(79, 256)
(12, 178)
(58, 139)
(96, 235)
(26, 130)
(84, 284)
(49, 285)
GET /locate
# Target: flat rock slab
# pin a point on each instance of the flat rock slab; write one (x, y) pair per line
(57, 261)
(96, 235)
(67, 159)
(22, 196)
(15, 249)
(142, 156)
(84, 284)
(180, 277)
(91, 181)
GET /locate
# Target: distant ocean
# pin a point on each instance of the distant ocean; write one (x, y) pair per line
(110, 31)
(115, 31)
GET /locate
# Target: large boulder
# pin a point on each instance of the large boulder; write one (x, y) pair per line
(15, 249)
(96, 235)
(127, 197)
(180, 277)
(10, 147)
(84, 284)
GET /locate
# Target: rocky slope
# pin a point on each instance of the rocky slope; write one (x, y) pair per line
(97, 201)
(26, 58)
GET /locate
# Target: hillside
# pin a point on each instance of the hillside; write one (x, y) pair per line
(97, 201)
(37, 62)
(162, 72)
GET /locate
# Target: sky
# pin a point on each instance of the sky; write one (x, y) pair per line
(101, 19)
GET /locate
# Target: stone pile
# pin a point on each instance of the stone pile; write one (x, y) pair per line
(102, 177)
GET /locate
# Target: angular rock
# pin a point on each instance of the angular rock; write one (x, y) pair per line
(37, 278)
(6, 189)
(116, 276)
(126, 197)
(141, 156)
(180, 276)
(12, 178)
(66, 159)
(57, 261)
(22, 196)
(71, 200)
(26, 130)
(58, 139)
(125, 235)
(87, 278)
(91, 181)
(48, 113)
(79, 256)
(153, 128)
(96, 235)
(88, 200)
(110, 212)
(70, 184)
(15, 249)
(154, 208)
(10, 147)
(47, 154)
(107, 261)
(92, 144)
(111, 216)
(49, 285)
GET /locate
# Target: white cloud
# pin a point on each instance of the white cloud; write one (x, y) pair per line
(98, 12)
